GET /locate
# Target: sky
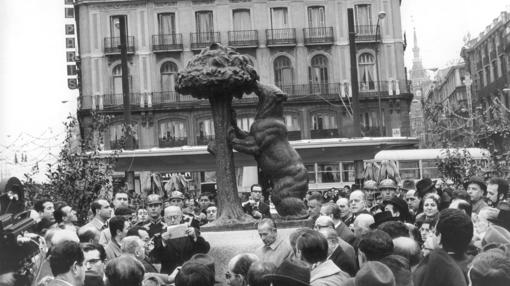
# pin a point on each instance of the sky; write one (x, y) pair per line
(35, 100)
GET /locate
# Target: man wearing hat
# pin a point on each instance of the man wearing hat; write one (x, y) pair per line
(388, 189)
(294, 273)
(476, 189)
(372, 194)
(177, 199)
(425, 186)
(398, 208)
(373, 273)
(154, 207)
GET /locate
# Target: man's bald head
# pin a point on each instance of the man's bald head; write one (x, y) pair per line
(89, 234)
(64, 235)
(124, 270)
(408, 248)
(173, 215)
(362, 224)
(324, 222)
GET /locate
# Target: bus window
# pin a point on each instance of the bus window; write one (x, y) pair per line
(430, 169)
(348, 172)
(311, 173)
(409, 170)
(328, 173)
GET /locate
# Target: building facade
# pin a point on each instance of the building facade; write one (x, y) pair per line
(300, 46)
(487, 60)
(448, 96)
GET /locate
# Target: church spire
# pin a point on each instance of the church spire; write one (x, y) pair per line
(416, 49)
(418, 73)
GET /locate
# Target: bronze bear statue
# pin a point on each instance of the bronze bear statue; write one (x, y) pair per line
(267, 142)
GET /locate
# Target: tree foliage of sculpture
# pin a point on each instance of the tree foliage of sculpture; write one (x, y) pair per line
(219, 74)
(267, 142)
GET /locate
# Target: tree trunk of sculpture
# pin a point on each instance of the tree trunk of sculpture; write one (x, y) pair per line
(229, 204)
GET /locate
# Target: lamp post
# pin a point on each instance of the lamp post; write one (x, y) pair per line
(380, 16)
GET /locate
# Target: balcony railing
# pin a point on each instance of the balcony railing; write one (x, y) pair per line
(117, 100)
(324, 133)
(120, 144)
(318, 36)
(167, 43)
(368, 89)
(367, 33)
(204, 140)
(294, 135)
(202, 40)
(281, 37)
(173, 141)
(112, 45)
(243, 39)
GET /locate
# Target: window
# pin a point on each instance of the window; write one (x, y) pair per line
(429, 169)
(242, 19)
(166, 23)
(366, 66)
(370, 123)
(115, 26)
(117, 79)
(116, 132)
(328, 173)
(488, 78)
(409, 169)
(283, 72)
(292, 122)
(324, 121)
(319, 73)
(316, 17)
(204, 23)
(311, 173)
(168, 72)
(172, 133)
(495, 73)
(363, 17)
(244, 123)
(348, 172)
(279, 18)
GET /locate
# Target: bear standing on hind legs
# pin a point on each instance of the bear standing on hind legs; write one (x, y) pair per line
(267, 142)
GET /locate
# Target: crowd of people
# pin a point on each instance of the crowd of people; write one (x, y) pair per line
(380, 233)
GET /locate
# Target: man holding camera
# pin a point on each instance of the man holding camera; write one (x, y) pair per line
(255, 206)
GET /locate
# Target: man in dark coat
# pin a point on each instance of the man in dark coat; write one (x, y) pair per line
(255, 206)
(174, 251)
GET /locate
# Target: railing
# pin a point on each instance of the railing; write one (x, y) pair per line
(281, 37)
(173, 141)
(336, 90)
(204, 140)
(170, 42)
(372, 131)
(112, 45)
(246, 38)
(324, 133)
(294, 135)
(120, 144)
(321, 35)
(202, 40)
(366, 33)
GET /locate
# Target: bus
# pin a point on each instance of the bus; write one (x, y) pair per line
(417, 164)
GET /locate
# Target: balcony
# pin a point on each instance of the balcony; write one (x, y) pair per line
(372, 131)
(281, 37)
(318, 36)
(204, 139)
(243, 39)
(324, 133)
(294, 135)
(366, 34)
(110, 101)
(112, 45)
(203, 40)
(120, 144)
(173, 141)
(165, 97)
(167, 43)
(310, 89)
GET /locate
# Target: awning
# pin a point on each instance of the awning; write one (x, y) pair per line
(196, 158)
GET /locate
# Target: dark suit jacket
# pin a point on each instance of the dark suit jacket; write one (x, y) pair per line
(344, 261)
(345, 233)
(263, 209)
(177, 251)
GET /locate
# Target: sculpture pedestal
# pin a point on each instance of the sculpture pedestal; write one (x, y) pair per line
(228, 241)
